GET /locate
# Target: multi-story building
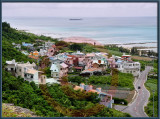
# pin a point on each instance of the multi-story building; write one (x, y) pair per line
(58, 70)
(126, 65)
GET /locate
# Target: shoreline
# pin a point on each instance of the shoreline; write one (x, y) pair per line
(79, 39)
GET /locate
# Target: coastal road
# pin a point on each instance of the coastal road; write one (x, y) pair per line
(136, 108)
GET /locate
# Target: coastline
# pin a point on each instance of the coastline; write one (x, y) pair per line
(79, 39)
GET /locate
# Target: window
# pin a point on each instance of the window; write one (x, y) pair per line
(25, 75)
(31, 76)
(56, 74)
(11, 69)
(20, 70)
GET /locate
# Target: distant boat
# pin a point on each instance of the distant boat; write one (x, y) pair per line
(75, 19)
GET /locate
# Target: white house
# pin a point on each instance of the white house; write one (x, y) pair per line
(21, 68)
(35, 76)
(126, 65)
(58, 70)
(11, 66)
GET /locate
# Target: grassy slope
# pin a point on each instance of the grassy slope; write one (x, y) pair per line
(151, 85)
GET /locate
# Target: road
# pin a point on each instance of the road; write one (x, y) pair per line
(136, 108)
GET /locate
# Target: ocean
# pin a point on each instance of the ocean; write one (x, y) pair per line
(108, 30)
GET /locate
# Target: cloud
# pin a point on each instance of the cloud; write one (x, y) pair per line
(78, 9)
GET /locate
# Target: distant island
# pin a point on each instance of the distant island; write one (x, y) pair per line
(76, 19)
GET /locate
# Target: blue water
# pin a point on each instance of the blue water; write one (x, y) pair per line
(105, 30)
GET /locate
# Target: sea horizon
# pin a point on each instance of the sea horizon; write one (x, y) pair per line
(106, 30)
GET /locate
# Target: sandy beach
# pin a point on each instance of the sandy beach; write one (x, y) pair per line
(81, 40)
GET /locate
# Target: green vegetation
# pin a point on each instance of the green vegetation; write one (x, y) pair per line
(125, 80)
(47, 72)
(152, 85)
(9, 53)
(25, 94)
(116, 48)
(82, 47)
(54, 103)
(120, 101)
(28, 95)
(12, 35)
(116, 53)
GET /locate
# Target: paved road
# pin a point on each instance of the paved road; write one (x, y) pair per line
(136, 108)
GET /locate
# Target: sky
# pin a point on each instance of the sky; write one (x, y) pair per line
(79, 9)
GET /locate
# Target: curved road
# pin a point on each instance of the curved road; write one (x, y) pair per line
(136, 108)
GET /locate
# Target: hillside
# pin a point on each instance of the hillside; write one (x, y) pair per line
(9, 110)
(27, 95)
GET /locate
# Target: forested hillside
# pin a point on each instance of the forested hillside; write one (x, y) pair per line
(28, 95)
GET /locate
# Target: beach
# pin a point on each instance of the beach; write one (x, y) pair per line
(82, 40)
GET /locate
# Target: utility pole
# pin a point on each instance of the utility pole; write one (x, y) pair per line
(153, 103)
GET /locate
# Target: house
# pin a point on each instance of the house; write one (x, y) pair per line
(51, 81)
(35, 76)
(61, 56)
(72, 60)
(90, 55)
(112, 62)
(91, 71)
(58, 70)
(17, 46)
(48, 45)
(54, 60)
(101, 63)
(28, 72)
(42, 52)
(55, 69)
(126, 65)
(27, 44)
(11, 66)
(78, 54)
(22, 67)
(34, 55)
(105, 99)
(24, 52)
(88, 62)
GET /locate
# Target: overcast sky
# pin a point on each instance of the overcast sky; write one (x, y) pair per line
(79, 9)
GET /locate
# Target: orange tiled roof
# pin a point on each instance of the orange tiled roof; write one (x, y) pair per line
(93, 91)
(92, 69)
(32, 71)
(78, 88)
(33, 57)
(71, 56)
(53, 46)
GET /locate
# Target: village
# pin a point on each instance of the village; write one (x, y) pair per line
(61, 64)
